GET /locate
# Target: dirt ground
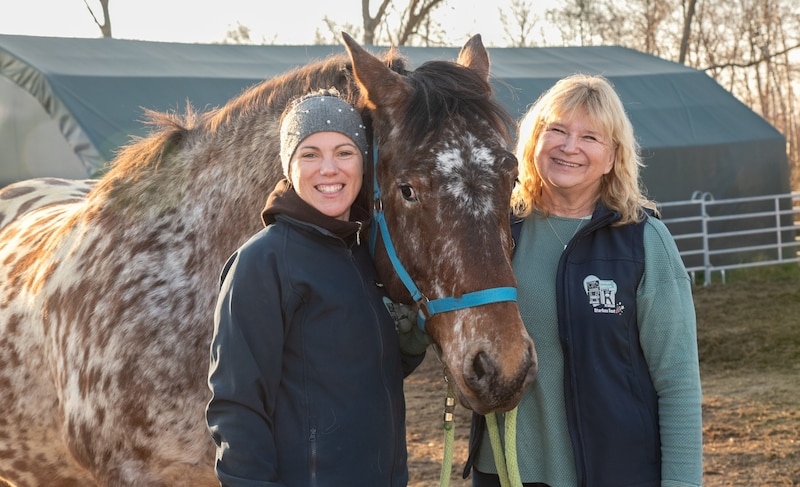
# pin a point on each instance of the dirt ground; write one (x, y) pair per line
(751, 414)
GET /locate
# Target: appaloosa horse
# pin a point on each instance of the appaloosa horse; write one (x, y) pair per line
(107, 288)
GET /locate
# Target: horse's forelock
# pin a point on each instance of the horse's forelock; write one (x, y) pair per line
(442, 90)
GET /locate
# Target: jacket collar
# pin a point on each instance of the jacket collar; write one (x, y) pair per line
(284, 200)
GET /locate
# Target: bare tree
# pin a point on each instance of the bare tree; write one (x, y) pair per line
(645, 25)
(391, 24)
(371, 23)
(578, 21)
(415, 24)
(689, 8)
(649, 18)
(518, 23)
(240, 34)
(105, 27)
(333, 36)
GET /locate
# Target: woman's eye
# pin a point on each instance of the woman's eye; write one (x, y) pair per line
(408, 192)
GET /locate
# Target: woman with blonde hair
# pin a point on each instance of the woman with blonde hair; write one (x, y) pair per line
(604, 294)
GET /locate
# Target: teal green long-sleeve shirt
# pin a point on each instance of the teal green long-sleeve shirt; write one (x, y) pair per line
(668, 337)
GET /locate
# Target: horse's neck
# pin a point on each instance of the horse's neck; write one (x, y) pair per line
(218, 176)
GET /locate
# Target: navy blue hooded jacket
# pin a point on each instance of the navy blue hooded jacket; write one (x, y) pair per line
(306, 371)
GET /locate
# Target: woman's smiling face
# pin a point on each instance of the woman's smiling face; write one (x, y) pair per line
(573, 155)
(326, 171)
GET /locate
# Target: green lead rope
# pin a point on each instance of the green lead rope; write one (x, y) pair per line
(449, 434)
(504, 459)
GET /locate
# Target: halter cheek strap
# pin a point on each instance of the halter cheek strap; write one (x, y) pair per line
(427, 308)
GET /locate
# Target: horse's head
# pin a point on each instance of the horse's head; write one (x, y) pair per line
(445, 176)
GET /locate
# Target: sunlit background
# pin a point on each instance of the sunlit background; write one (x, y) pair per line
(293, 22)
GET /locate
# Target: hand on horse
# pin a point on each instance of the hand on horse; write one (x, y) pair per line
(413, 340)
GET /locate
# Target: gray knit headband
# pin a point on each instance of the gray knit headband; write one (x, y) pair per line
(323, 111)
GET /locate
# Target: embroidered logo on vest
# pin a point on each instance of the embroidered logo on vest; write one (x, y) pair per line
(602, 295)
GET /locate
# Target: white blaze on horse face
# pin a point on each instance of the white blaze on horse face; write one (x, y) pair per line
(475, 196)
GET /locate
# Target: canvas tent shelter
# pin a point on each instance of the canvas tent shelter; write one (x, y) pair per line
(67, 104)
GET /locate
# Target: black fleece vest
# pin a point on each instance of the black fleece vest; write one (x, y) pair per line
(611, 403)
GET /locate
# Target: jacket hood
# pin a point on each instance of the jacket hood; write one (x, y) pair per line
(284, 200)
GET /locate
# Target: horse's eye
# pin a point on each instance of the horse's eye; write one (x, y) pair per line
(408, 193)
(509, 160)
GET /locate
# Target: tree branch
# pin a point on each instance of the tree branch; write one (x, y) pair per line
(751, 63)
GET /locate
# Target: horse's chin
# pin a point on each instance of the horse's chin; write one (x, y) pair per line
(480, 406)
(471, 403)
(469, 400)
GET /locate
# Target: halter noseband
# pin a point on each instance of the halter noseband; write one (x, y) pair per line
(427, 308)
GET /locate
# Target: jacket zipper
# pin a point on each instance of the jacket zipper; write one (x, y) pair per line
(312, 439)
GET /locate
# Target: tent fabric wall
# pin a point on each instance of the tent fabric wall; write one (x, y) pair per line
(694, 134)
(37, 129)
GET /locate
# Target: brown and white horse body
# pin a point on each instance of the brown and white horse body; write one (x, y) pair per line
(107, 288)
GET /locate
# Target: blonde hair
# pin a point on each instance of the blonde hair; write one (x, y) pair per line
(621, 188)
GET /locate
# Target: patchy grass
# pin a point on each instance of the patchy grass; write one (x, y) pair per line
(752, 322)
(749, 344)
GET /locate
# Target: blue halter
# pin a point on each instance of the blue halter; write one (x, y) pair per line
(427, 308)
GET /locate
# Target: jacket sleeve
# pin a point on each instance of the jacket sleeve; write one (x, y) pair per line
(246, 354)
(668, 334)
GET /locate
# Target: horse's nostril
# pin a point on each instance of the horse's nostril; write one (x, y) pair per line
(478, 365)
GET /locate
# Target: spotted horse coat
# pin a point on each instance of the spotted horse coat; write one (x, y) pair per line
(107, 287)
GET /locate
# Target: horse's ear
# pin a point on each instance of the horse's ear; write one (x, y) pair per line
(380, 86)
(474, 56)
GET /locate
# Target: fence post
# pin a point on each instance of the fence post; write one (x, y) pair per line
(777, 205)
(703, 197)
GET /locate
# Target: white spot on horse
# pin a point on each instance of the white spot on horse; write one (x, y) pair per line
(468, 180)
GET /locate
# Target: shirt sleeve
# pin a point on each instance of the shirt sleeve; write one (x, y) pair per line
(668, 335)
(246, 352)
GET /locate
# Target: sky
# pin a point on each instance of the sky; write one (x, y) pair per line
(208, 21)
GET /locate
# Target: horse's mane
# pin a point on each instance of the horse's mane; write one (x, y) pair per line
(443, 89)
(127, 180)
(169, 130)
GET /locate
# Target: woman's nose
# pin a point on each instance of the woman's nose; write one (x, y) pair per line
(570, 143)
(329, 165)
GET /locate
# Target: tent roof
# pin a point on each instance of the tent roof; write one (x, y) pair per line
(104, 84)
